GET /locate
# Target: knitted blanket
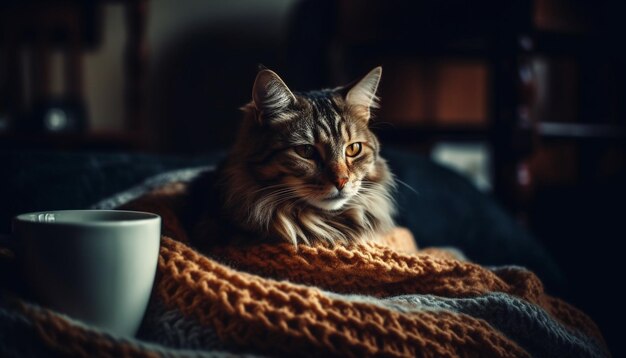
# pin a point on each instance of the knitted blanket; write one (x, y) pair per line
(378, 299)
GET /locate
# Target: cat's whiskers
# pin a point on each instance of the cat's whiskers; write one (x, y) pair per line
(270, 187)
(407, 186)
(310, 146)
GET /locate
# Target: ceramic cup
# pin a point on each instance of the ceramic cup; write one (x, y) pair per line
(97, 266)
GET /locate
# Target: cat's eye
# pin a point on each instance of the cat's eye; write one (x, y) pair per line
(305, 151)
(352, 150)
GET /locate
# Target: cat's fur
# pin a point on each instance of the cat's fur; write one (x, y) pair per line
(268, 190)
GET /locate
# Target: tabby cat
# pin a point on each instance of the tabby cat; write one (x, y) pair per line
(306, 167)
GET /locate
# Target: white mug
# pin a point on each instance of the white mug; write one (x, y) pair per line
(97, 266)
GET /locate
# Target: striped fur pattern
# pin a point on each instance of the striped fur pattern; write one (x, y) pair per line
(293, 173)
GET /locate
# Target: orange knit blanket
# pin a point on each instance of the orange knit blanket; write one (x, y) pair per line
(384, 299)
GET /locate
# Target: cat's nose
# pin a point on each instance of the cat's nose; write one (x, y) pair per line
(340, 182)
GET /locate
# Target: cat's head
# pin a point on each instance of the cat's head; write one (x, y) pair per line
(311, 148)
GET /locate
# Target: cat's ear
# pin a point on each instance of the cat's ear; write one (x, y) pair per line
(271, 95)
(362, 94)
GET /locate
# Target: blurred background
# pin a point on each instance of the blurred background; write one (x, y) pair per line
(524, 98)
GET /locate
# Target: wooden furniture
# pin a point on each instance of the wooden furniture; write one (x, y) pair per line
(514, 42)
(32, 32)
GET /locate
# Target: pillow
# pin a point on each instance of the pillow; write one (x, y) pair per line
(445, 209)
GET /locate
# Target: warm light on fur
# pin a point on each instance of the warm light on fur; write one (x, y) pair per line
(268, 189)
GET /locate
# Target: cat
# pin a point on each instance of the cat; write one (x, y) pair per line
(305, 167)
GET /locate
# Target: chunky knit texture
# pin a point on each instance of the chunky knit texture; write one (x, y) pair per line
(358, 300)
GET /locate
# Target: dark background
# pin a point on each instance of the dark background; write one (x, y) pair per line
(540, 84)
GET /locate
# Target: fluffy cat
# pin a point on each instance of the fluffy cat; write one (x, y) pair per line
(305, 166)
